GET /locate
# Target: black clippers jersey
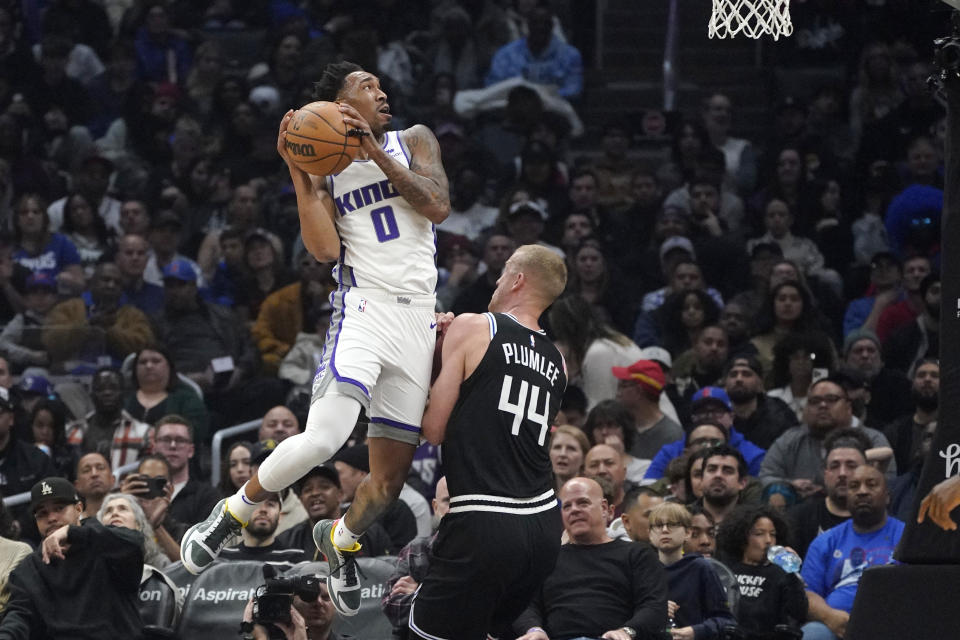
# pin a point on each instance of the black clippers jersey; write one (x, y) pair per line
(496, 448)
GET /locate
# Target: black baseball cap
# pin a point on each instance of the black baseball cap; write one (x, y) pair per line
(325, 470)
(52, 489)
(261, 450)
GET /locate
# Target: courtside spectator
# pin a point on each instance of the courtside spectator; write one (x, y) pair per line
(838, 557)
(84, 579)
(599, 585)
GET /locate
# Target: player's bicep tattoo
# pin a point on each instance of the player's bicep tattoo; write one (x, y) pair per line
(425, 160)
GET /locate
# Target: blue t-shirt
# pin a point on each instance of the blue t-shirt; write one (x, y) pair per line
(837, 557)
(55, 256)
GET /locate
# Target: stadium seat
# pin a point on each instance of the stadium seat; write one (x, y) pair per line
(214, 603)
(896, 602)
(369, 623)
(160, 605)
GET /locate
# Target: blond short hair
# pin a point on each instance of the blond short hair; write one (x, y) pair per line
(669, 512)
(545, 266)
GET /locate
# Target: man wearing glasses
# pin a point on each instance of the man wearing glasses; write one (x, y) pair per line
(192, 500)
(796, 457)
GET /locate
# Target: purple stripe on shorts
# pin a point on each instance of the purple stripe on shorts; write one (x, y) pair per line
(336, 341)
(394, 423)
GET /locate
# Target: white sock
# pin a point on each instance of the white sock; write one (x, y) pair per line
(241, 506)
(343, 537)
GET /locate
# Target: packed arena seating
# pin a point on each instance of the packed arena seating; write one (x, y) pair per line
(755, 266)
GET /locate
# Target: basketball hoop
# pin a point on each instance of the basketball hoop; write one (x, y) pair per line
(751, 17)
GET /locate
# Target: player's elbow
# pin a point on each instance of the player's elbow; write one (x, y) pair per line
(439, 212)
(432, 430)
(322, 251)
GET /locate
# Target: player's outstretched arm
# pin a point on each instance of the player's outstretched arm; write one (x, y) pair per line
(464, 344)
(314, 204)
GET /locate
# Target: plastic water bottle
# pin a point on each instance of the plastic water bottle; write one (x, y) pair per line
(784, 558)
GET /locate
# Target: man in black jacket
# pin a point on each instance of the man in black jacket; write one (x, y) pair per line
(82, 583)
(760, 418)
(21, 464)
(600, 587)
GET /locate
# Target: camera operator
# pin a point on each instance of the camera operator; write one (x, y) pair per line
(310, 619)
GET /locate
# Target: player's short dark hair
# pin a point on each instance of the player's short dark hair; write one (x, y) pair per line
(733, 531)
(725, 450)
(331, 82)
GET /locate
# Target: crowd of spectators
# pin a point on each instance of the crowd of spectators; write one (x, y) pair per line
(751, 326)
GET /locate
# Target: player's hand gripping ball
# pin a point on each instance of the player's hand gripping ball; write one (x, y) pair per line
(317, 139)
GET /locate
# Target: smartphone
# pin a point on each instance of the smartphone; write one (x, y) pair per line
(156, 487)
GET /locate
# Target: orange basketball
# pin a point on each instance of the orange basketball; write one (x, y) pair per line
(318, 141)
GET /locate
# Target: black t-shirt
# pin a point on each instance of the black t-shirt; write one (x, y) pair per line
(274, 553)
(768, 596)
(596, 588)
(808, 520)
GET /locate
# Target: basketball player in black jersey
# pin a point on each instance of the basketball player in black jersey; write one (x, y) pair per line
(499, 387)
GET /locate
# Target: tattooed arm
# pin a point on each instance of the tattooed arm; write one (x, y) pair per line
(424, 184)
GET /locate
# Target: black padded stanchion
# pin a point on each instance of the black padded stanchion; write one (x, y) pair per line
(902, 602)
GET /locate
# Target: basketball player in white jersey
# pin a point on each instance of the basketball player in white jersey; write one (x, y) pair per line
(376, 219)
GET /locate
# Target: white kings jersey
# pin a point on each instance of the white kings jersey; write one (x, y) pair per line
(384, 242)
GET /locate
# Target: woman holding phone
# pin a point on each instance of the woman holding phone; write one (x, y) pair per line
(152, 487)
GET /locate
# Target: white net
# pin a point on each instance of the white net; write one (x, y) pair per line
(753, 18)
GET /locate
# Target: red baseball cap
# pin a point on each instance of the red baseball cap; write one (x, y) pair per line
(646, 372)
